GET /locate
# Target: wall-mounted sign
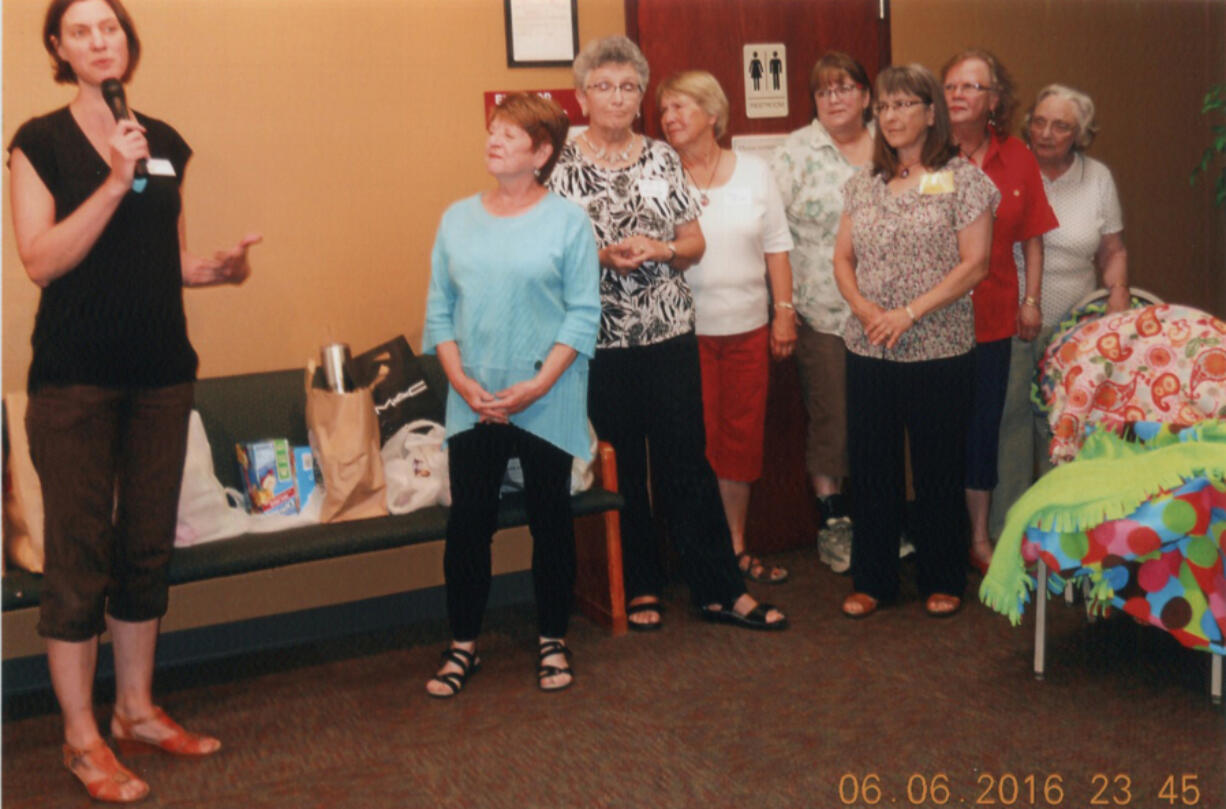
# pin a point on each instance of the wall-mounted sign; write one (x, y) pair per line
(765, 73)
(565, 99)
(541, 33)
(763, 146)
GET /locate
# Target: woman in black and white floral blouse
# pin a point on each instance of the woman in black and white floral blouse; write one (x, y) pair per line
(645, 388)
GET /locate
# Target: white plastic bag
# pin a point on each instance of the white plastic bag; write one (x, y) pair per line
(582, 474)
(208, 511)
(271, 521)
(204, 512)
(415, 467)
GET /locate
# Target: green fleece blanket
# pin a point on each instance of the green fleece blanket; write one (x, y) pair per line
(1109, 480)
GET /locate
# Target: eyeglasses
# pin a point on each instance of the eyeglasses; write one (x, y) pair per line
(966, 88)
(882, 107)
(842, 90)
(605, 88)
(1057, 126)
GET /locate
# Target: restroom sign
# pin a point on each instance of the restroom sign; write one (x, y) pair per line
(765, 73)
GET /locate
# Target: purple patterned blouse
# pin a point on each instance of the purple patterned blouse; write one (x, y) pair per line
(904, 246)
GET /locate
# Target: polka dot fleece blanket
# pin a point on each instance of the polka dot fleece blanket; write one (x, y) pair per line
(1142, 514)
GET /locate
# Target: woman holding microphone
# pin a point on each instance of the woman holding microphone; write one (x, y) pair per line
(110, 382)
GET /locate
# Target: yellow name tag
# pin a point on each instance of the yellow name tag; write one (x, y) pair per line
(937, 182)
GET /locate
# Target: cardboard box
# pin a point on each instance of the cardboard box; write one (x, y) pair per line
(269, 481)
(305, 474)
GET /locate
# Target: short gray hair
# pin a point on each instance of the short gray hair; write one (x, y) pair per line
(1083, 111)
(610, 50)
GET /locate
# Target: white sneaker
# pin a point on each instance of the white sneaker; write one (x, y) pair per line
(905, 548)
(834, 544)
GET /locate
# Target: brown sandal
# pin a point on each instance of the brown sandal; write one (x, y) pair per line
(179, 742)
(113, 775)
(860, 605)
(942, 605)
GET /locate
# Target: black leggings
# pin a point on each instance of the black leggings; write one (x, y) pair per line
(649, 399)
(928, 405)
(477, 460)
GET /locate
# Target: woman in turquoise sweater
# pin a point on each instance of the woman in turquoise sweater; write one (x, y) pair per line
(513, 311)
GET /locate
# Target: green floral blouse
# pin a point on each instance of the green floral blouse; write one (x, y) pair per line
(811, 172)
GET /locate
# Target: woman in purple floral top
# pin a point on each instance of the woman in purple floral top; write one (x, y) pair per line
(913, 241)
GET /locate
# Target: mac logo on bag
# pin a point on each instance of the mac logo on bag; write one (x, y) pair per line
(416, 389)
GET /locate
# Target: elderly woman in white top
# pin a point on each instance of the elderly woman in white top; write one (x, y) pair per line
(1088, 245)
(811, 168)
(746, 230)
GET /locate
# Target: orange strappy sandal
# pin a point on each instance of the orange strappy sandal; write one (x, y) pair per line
(180, 742)
(107, 786)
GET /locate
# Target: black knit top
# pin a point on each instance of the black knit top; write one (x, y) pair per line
(115, 320)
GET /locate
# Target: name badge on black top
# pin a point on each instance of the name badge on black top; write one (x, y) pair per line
(160, 167)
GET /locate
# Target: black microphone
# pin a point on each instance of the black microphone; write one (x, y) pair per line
(112, 92)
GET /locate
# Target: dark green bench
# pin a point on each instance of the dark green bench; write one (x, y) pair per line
(271, 404)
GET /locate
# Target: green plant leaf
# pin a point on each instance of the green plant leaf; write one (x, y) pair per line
(1213, 99)
(1206, 158)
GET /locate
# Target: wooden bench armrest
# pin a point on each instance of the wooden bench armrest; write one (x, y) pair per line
(605, 467)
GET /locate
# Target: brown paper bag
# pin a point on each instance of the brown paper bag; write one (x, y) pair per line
(23, 493)
(344, 431)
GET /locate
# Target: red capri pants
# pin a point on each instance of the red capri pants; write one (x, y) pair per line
(735, 372)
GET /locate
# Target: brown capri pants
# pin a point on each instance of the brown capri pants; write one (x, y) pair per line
(822, 361)
(110, 461)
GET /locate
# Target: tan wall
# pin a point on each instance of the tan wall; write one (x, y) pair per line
(338, 128)
(342, 128)
(1147, 64)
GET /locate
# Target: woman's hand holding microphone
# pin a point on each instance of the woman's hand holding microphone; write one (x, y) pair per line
(128, 147)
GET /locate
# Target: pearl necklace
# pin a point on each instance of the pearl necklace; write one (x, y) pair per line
(606, 156)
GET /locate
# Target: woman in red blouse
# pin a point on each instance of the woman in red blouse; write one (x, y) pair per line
(980, 96)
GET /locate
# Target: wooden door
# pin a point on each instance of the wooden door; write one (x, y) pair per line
(709, 34)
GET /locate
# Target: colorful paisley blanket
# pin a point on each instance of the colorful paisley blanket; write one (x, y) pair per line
(1163, 363)
(1143, 516)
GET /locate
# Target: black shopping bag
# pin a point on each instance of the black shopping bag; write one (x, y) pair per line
(404, 395)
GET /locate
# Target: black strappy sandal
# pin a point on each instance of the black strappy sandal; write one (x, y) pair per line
(548, 648)
(455, 680)
(649, 606)
(754, 619)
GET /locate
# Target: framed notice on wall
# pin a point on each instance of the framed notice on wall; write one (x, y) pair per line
(541, 33)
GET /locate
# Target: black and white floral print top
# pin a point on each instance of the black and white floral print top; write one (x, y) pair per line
(650, 198)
